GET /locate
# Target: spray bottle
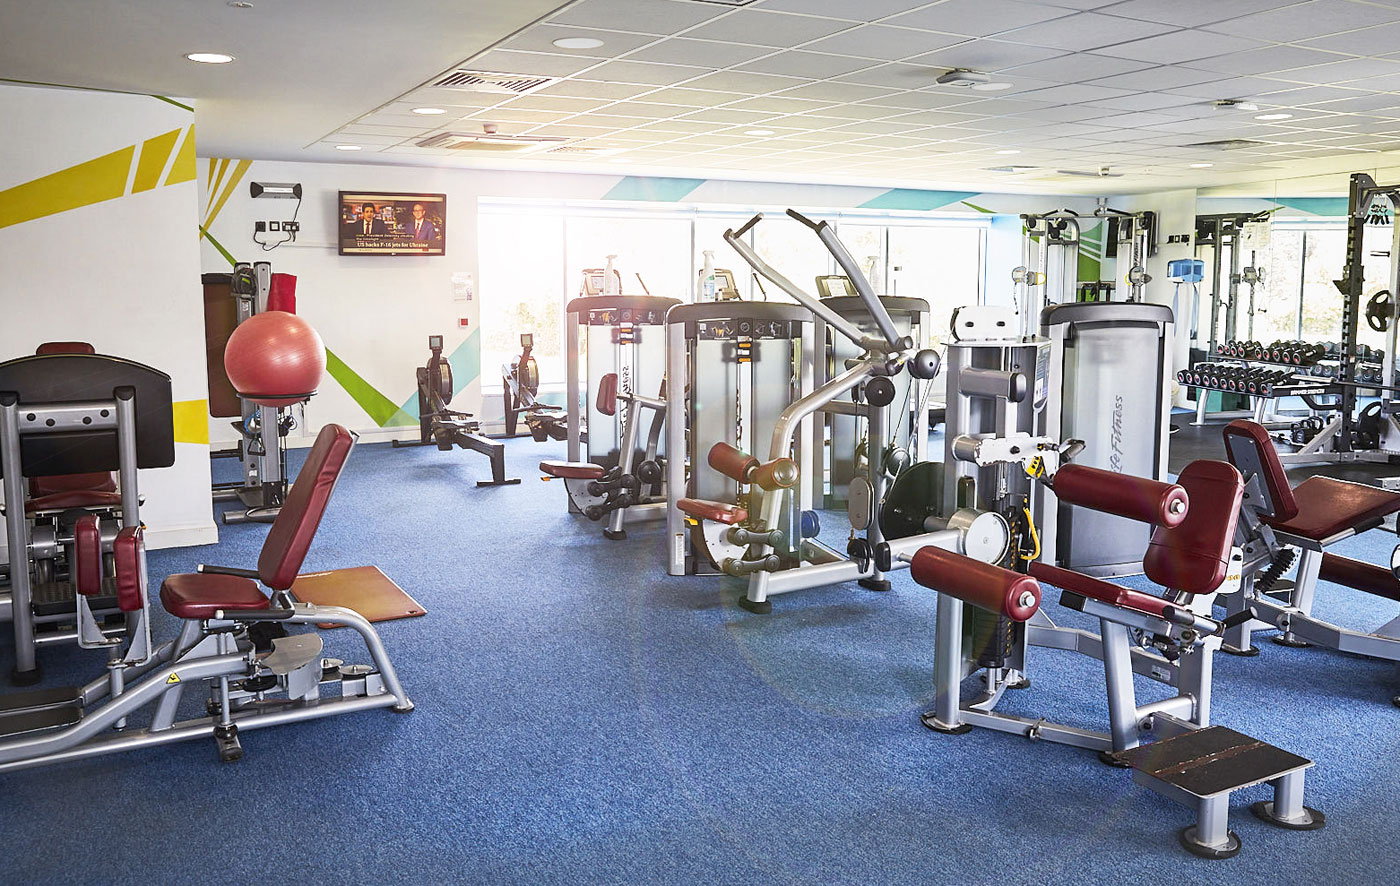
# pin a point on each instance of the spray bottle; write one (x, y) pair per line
(610, 279)
(873, 275)
(707, 277)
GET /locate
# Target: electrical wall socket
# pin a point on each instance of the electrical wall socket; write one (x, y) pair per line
(259, 227)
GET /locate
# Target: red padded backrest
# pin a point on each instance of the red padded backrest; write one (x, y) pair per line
(1249, 449)
(98, 481)
(129, 554)
(65, 347)
(607, 394)
(1193, 555)
(296, 523)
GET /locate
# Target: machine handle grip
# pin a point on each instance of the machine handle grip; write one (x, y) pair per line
(87, 544)
(999, 590)
(732, 463)
(816, 226)
(1238, 619)
(780, 473)
(745, 229)
(1137, 498)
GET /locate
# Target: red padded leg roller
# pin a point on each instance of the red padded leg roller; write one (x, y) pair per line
(87, 550)
(1007, 593)
(129, 551)
(731, 462)
(1137, 498)
(1361, 576)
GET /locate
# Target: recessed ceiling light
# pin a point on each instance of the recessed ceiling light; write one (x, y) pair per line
(1201, 165)
(758, 132)
(1278, 116)
(347, 147)
(429, 111)
(578, 43)
(1009, 151)
(209, 58)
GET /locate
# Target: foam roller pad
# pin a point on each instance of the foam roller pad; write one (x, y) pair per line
(972, 581)
(732, 462)
(1137, 498)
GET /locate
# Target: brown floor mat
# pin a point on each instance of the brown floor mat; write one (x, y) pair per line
(363, 589)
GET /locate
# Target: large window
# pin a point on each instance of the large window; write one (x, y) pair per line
(533, 254)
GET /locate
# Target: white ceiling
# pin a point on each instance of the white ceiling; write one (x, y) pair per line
(846, 87)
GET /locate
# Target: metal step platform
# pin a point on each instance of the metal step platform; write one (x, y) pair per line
(1201, 767)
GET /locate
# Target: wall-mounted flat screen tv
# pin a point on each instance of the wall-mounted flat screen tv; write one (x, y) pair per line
(380, 223)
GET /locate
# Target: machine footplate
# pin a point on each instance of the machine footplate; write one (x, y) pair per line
(34, 721)
(290, 653)
(1212, 761)
(58, 598)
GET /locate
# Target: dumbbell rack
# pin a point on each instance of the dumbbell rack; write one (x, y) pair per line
(1296, 384)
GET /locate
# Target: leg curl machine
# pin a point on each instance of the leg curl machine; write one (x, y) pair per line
(234, 637)
(598, 492)
(1279, 524)
(444, 428)
(1169, 639)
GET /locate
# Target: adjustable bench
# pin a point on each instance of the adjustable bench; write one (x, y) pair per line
(1281, 523)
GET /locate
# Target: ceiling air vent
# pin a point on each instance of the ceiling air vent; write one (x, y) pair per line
(492, 143)
(1229, 144)
(503, 84)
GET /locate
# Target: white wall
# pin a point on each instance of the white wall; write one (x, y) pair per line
(122, 271)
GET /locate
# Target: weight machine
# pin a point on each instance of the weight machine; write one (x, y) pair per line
(520, 386)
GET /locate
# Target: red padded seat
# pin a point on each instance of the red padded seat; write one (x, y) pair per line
(1327, 506)
(572, 470)
(199, 595)
(717, 511)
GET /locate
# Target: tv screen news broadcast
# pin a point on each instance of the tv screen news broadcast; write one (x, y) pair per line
(379, 223)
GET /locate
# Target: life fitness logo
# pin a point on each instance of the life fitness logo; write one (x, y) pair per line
(1115, 437)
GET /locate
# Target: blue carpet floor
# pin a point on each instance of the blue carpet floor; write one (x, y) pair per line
(581, 717)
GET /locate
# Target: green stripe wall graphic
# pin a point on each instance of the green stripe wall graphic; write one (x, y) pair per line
(653, 190)
(913, 199)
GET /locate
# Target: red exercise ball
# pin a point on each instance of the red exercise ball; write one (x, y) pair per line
(275, 359)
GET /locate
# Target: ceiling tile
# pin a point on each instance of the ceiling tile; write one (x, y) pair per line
(883, 42)
(648, 110)
(1080, 92)
(540, 38)
(595, 89)
(1191, 13)
(1157, 79)
(1181, 46)
(896, 75)
(779, 29)
(747, 83)
(562, 104)
(1309, 95)
(976, 18)
(1367, 41)
(1142, 101)
(644, 72)
(1387, 83)
(725, 115)
(836, 92)
(644, 16)
(1264, 61)
(1343, 71)
(990, 56)
(701, 53)
(777, 104)
(1078, 67)
(918, 100)
(864, 11)
(542, 64)
(692, 98)
(1085, 30)
(808, 65)
(674, 126)
(1303, 21)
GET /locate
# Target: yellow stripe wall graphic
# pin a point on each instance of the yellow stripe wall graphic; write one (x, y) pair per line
(225, 175)
(101, 179)
(191, 421)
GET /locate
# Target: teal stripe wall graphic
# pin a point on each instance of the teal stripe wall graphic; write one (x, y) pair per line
(912, 198)
(653, 190)
(465, 361)
(1321, 206)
